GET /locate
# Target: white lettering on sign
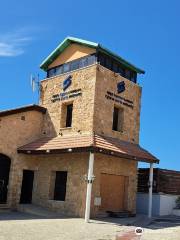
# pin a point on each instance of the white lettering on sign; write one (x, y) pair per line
(118, 99)
(66, 95)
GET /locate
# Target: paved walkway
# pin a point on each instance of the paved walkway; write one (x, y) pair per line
(27, 227)
(23, 226)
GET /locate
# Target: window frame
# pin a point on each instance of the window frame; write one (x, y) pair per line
(90, 59)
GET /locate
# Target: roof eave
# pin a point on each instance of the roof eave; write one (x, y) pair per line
(68, 40)
(120, 59)
(32, 107)
(87, 149)
(60, 48)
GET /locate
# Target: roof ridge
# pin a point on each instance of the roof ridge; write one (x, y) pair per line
(68, 40)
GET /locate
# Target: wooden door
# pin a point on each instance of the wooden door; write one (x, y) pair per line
(112, 192)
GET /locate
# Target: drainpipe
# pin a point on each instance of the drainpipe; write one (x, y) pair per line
(90, 179)
(150, 190)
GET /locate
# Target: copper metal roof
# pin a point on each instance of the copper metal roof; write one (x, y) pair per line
(91, 142)
(27, 108)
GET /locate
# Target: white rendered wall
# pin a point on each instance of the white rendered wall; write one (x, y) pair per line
(162, 204)
(167, 203)
(142, 204)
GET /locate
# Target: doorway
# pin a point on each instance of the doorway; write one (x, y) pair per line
(113, 192)
(27, 187)
(5, 163)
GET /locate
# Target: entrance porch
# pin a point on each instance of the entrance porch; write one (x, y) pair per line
(101, 174)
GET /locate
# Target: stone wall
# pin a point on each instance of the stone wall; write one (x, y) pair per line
(92, 111)
(76, 165)
(107, 80)
(83, 105)
(15, 132)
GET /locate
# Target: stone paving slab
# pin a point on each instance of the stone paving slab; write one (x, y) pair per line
(23, 226)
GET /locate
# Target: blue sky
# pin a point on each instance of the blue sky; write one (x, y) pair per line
(147, 33)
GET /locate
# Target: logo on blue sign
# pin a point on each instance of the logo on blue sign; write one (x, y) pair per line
(121, 87)
(67, 82)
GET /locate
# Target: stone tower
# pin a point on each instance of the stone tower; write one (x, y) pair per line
(98, 87)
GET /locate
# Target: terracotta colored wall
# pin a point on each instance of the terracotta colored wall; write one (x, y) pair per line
(74, 51)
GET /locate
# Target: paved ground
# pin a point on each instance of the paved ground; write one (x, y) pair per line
(163, 229)
(23, 226)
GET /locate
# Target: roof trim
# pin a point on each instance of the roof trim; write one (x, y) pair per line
(67, 41)
(162, 169)
(87, 149)
(27, 108)
(91, 142)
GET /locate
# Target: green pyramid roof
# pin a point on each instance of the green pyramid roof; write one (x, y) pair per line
(67, 41)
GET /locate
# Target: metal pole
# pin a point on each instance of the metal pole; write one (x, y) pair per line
(150, 190)
(89, 187)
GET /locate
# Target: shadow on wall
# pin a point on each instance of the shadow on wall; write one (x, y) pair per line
(49, 129)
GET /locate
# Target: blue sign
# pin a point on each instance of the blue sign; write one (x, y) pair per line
(121, 87)
(67, 82)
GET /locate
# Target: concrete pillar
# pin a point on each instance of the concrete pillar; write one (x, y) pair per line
(90, 179)
(150, 190)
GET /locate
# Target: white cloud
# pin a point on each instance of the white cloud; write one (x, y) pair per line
(13, 44)
(10, 50)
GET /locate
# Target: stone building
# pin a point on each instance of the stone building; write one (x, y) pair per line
(77, 151)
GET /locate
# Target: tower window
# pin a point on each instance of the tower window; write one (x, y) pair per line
(127, 74)
(133, 77)
(69, 110)
(72, 65)
(118, 119)
(60, 186)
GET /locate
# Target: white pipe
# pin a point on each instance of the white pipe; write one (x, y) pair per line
(150, 190)
(89, 187)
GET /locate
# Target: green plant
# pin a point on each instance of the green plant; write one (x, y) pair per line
(178, 202)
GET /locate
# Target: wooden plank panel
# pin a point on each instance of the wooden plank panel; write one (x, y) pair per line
(113, 192)
(165, 181)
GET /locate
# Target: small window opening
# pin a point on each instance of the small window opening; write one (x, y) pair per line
(69, 110)
(118, 117)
